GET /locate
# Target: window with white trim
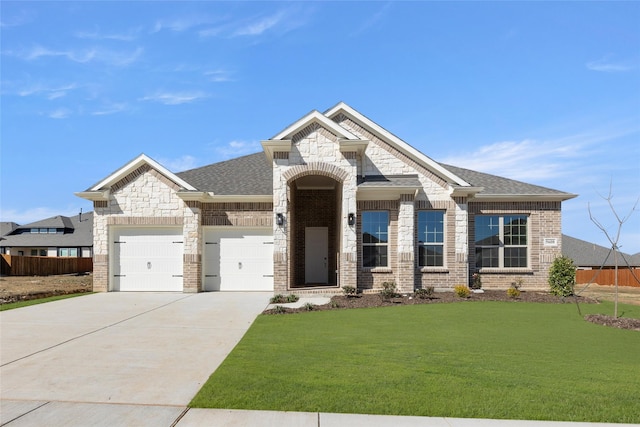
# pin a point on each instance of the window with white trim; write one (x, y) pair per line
(375, 239)
(430, 238)
(501, 241)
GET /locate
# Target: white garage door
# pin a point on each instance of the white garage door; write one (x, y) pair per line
(147, 259)
(238, 259)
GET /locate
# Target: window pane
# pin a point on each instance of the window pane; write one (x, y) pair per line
(73, 252)
(430, 227)
(374, 256)
(43, 230)
(430, 256)
(34, 252)
(515, 257)
(52, 231)
(487, 257)
(487, 230)
(515, 230)
(375, 227)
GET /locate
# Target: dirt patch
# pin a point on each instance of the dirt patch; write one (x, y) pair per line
(626, 294)
(23, 288)
(620, 322)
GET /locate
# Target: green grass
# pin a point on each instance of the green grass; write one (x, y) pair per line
(19, 304)
(480, 360)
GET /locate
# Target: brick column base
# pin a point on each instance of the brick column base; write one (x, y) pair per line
(405, 273)
(192, 273)
(101, 273)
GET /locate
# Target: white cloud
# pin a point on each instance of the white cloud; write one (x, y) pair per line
(174, 98)
(540, 160)
(608, 66)
(60, 113)
(238, 148)
(112, 108)
(259, 26)
(180, 24)
(125, 36)
(50, 92)
(372, 20)
(109, 57)
(179, 164)
(218, 76)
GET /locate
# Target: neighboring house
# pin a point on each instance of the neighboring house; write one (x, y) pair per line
(589, 258)
(333, 200)
(587, 255)
(58, 236)
(7, 227)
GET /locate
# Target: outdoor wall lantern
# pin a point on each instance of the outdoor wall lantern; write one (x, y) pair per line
(279, 219)
(352, 219)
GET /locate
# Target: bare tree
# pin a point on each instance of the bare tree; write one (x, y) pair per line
(613, 239)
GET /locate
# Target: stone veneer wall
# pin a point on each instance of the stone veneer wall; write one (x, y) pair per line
(544, 222)
(144, 197)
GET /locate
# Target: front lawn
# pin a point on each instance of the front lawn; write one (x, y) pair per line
(468, 359)
(26, 303)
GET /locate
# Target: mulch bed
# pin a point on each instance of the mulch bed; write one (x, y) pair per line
(340, 302)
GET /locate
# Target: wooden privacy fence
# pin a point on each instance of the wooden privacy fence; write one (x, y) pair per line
(608, 276)
(44, 266)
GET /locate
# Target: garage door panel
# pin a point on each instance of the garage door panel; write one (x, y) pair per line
(148, 259)
(238, 259)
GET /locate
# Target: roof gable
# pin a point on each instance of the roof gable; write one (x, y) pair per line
(100, 190)
(311, 118)
(394, 141)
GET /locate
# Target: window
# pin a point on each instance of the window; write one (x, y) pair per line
(68, 252)
(375, 239)
(34, 252)
(43, 252)
(501, 241)
(431, 238)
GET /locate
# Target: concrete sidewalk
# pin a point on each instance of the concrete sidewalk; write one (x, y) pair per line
(38, 413)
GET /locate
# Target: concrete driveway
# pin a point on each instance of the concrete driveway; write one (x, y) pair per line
(119, 348)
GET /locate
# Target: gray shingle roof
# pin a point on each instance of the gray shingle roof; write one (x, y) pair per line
(7, 227)
(81, 235)
(247, 175)
(497, 185)
(252, 175)
(586, 254)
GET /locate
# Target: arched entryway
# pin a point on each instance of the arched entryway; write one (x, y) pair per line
(315, 212)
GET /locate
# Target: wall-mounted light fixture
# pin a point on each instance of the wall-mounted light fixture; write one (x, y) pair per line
(279, 219)
(351, 219)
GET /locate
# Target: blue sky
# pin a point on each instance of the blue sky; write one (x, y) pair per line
(543, 92)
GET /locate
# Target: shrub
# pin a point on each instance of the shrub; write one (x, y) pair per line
(388, 290)
(476, 281)
(334, 304)
(462, 291)
(424, 293)
(513, 292)
(278, 309)
(517, 284)
(562, 276)
(349, 291)
(277, 299)
(309, 306)
(282, 299)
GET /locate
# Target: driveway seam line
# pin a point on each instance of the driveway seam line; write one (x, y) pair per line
(26, 413)
(182, 414)
(94, 331)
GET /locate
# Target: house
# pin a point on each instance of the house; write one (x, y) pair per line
(333, 200)
(590, 258)
(58, 236)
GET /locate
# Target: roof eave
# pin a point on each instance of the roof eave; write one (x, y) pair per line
(523, 197)
(94, 196)
(210, 197)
